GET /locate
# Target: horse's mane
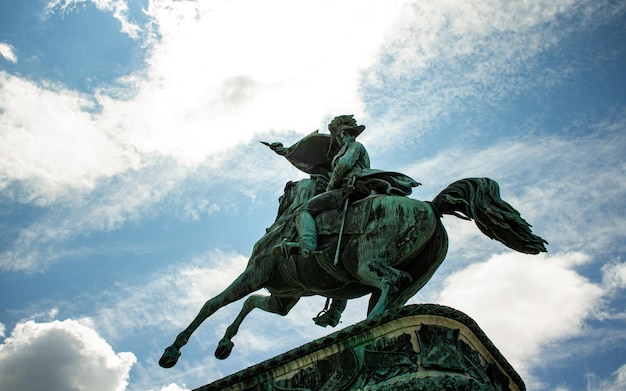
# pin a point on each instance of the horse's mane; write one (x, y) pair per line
(294, 195)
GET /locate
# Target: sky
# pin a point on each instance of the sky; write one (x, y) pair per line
(133, 185)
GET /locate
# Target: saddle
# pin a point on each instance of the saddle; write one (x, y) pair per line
(357, 215)
(328, 223)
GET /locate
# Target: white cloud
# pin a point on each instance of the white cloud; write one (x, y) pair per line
(222, 72)
(210, 85)
(61, 355)
(135, 194)
(449, 57)
(617, 382)
(172, 297)
(614, 275)
(199, 96)
(202, 94)
(219, 74)
(65, 148)
(173, 387)
(524, 303)
(470, 27)
(2, 329)
(8, 52)
(560, 186)
(50, 146)
(119, 9)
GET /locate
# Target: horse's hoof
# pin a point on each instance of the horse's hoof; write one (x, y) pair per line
(224, 348)
(169, 357)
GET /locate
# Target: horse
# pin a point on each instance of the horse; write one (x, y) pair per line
(390, 248)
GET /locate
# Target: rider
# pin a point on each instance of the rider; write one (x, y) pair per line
(349, 162)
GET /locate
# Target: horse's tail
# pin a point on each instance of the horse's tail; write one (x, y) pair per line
(479, 199)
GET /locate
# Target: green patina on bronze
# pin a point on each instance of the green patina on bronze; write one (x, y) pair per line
(349, 230)
(408, 355)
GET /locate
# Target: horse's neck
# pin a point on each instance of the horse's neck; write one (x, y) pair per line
(297, 195)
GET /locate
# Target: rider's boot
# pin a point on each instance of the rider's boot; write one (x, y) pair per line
(308, 233)
(307, 230)
(331, 316)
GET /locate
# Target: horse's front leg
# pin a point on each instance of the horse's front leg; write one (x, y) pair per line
(273, 304)
(246, 283)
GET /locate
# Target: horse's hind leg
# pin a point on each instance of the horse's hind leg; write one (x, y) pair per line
(390, 281)
(273, 304)
(246, 283)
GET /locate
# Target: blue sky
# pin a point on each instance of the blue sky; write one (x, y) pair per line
(133, 186)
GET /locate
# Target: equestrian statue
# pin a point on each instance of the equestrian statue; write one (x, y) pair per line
(349, 230)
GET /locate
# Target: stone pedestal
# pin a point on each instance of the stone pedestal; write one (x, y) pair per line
(417, 347)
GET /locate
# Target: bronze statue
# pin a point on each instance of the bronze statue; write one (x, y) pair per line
(369, 238)
(349, 166)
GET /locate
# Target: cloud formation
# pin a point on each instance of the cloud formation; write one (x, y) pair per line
(162, 306)
(616, 382)
(200, 99)
(8, 52)
(60, 356)
(198, 94)
(524, 303)
(46, 157)
(177, 136)
(558, 184)
(172, 297)
(196, 100)
(118, 8)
